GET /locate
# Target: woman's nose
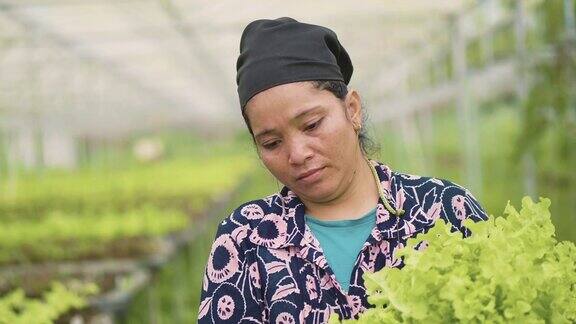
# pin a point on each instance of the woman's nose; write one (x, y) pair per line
(299, 151)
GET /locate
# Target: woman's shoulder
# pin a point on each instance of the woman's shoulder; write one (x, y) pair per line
(456, 201)
(399, 179)
(407, 180)
(245, 217)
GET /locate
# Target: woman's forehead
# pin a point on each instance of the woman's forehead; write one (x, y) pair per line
(288, 100)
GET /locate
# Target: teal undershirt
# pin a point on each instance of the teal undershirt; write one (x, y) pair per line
(342, 241)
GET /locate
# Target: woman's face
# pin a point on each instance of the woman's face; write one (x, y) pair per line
(306, 138)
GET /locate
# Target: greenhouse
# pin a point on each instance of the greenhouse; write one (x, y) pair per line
(123, 150)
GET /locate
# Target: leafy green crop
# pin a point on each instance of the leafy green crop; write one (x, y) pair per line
(511, 270)
(61, 235)
(86, 215)
(16, 308)
(179, 183)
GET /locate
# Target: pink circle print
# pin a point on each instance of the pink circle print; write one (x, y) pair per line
(223, 260)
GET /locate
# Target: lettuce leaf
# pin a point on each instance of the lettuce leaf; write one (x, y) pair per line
(512, 269)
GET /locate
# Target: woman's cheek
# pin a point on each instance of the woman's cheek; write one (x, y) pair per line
(337, 142)
(277, 164)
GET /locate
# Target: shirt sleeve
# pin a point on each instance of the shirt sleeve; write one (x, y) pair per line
(459, 204)
(231, 284)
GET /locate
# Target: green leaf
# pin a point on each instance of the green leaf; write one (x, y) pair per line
(511, 269)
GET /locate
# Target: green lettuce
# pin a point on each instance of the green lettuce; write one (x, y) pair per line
(511, 270)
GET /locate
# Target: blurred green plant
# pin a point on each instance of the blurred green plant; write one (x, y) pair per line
(181, 183)
(66, 236)
(17, 308)
(91, 214)
(80, 215)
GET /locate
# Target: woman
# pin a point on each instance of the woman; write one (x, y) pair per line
(299, 254)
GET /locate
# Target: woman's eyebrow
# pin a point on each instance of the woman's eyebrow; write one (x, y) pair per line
(296, 117)
(264, 132)
(306, 112)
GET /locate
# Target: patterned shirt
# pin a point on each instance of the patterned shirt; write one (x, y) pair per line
(266, 266)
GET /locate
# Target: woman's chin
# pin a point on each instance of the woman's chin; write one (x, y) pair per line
(319, 193)
(321, 188)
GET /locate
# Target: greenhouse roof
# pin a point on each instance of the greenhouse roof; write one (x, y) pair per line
(107, 68)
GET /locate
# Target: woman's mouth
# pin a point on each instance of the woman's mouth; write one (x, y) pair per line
(311, 176)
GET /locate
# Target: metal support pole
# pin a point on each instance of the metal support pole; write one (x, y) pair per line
(11, 165)
(528, 161)
(466, 110)
(569, 19)
(427, 126)
(487, 41)
(28, 91)
(411, 147)
(570, 26)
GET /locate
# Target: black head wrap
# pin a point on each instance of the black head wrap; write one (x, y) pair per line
(283, 50)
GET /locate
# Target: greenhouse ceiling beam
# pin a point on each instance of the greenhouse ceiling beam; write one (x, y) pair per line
(72, 47)
(197, 66)
(192, 16)
(115, 126)
(197, 48)
(60, 3)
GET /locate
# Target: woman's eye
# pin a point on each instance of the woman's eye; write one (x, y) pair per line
(270, 145)
(313, 125)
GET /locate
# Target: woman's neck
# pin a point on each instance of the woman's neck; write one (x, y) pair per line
(356, 200)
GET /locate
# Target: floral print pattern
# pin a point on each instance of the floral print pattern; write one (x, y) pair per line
(225, 307)
(266, 266)
(271, 231)
(223, 259)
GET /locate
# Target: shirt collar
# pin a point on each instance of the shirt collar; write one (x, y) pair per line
(290, 227)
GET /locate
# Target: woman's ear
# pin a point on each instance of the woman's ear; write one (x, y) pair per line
(353, 107)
